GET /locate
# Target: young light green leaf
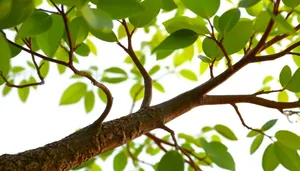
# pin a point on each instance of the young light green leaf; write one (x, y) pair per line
(283, 96)
(288, 139)
(137, 91)
(261, 21)
(49, 40)
(269, 160)
(188, 74)
(105, 155)
(23, 92)
(182, 22)
(267, 79)
(203, 67)
(225, 131)
(268, 125)
(37, 23)
(172, 160)
(206, 129)
(92, 47)
(229, 19)
(73, 93)
(152, 8)
(256, 143)
(177, 40)
(252, 133)
(287, 157)
(158, 86)
(202, 8)
(285, 76)
(248, 3)
(154, 69)
(6, 90)
(119, 9)
(89, 101)
(114, 75)
(120, 161)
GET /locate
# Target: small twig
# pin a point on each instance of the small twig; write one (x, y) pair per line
(245, 125)
(48, 11)
(211, 68)
(267, 92)
(70, 10)
(134, 158)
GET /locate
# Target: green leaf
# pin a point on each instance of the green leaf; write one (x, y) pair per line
(97, 18)
(49, 40)
(294, 83)
(255, 10)
(152, 8)
(106, 154)
(119, 9)
(205, 59)
(158, 86)
(79, 30)
(16, 12)
(236, 39)
(287, 157)
(248, 3)
(229, 19)
(92, 47)
(256, 143)
(105, 35)
(154, 70)
(267, 79)
(96, 167)
(102, 95)
(219, 154)
(225, 131)
(23, 92)
(189, 139)
(168, 5)
(269, 160)
(114, 75)
(182, 22)
(73, 93)
(85, 164)
(202, 8)
(186, 55)
(37, 23)
(291, 3)
(288, 139)
(44, 68)
(6, 90)
(83, 50)
(5, 57)
(120, 161)
(203, 67)
(188, 74)
(122, 32)
(284, 25)
(137, 91)
(89, 101)
(171, 161)
(283, 96)
(268, 125)
(207, 129)
(285, 76)
(252, 133)
(177, 40)
(261, 21)
(211, 49)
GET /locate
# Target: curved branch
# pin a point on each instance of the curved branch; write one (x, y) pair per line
(230, 99)
(147, 79)
(276, 55)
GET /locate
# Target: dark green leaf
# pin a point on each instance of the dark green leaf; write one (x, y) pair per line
(83, 50)
(288, 139)
(248, 3)
(79, 30)
(97, 18)
(294, 83)
(203, 8)
(287, 157)
(229, 19)
(285, 76)
(291, 3)
(269, 160)
(37, 23)
(177, 40)
(205, 59)
(225, 131)
(171, 161)
(269, 125)
(5, 57)
(256, 143)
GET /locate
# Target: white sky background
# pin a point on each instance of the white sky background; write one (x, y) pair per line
(41, 120)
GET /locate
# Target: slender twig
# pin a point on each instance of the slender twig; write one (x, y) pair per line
(211, 68)
(134, 158)
(244, 123)
(70, 10)
(268, 92)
